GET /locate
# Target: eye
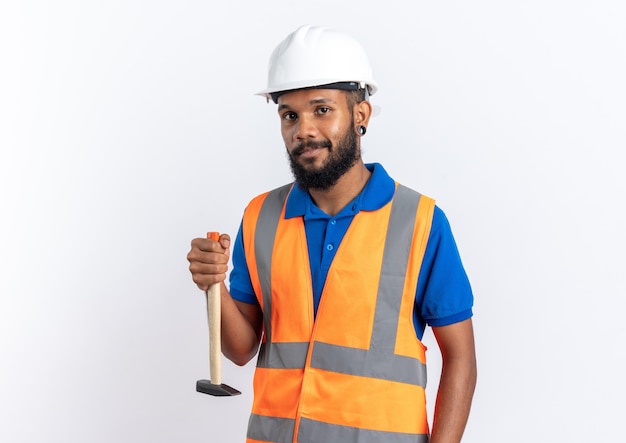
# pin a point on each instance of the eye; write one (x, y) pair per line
(290, 116)
(323, 110)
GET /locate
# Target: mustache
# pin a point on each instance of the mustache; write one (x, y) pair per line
(311, 144)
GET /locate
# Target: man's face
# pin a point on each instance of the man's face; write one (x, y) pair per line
(318, 130)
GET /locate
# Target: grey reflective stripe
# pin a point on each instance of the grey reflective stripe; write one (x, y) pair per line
(368, 363)
(266, 226)
(280, 430)
(283, 355)
(271, 429)
(380, 361)
(393, 273)
(311, 431)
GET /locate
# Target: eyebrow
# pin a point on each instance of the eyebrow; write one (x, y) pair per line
(315, 101)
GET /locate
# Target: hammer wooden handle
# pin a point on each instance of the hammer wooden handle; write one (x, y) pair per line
(215, 324)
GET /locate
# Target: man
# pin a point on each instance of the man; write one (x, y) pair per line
(337, 275)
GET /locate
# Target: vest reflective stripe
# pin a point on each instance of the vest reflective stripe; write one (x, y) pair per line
(368, 363)
(272, 429)
(314, 432)
(346, 360)
(280, 430)
(283, 355)
(388, 365)
(271, 212)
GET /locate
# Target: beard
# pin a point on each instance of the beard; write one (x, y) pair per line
(340, 159)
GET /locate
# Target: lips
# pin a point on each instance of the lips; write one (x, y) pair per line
(305, 152)
(310, 147)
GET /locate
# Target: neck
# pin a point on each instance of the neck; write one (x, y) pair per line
(334, 199)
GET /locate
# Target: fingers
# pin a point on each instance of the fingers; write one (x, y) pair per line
(208, 260)
(205, 245)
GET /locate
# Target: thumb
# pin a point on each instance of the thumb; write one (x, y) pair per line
(225, 243)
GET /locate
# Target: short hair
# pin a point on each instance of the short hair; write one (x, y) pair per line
(355, 97)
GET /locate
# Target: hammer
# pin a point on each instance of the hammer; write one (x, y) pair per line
(215, 386)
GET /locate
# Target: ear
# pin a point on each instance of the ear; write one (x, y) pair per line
(362, 113)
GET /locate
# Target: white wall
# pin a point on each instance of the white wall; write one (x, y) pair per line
(129, 127)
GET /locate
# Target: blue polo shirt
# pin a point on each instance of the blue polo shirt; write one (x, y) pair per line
(443, 296)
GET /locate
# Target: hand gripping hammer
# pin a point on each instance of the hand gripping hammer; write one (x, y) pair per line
(214, 386)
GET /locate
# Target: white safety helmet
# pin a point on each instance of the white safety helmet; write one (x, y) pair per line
(314, 56)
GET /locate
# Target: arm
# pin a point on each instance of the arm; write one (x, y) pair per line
(458, 379)
(241, 322)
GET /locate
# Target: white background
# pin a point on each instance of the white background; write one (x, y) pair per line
(129, 127)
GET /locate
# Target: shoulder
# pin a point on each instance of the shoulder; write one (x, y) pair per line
(440, 220)
(441, 237)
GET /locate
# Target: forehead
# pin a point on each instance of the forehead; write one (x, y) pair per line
(301, 98)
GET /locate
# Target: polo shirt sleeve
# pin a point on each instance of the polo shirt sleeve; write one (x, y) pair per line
(240, 283)
(444, 295)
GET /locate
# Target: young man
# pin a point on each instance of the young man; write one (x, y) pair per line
(337, 275)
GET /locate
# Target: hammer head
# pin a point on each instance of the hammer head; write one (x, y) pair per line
(222, 390)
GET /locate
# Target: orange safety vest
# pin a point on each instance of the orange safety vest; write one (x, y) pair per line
(357, 372)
